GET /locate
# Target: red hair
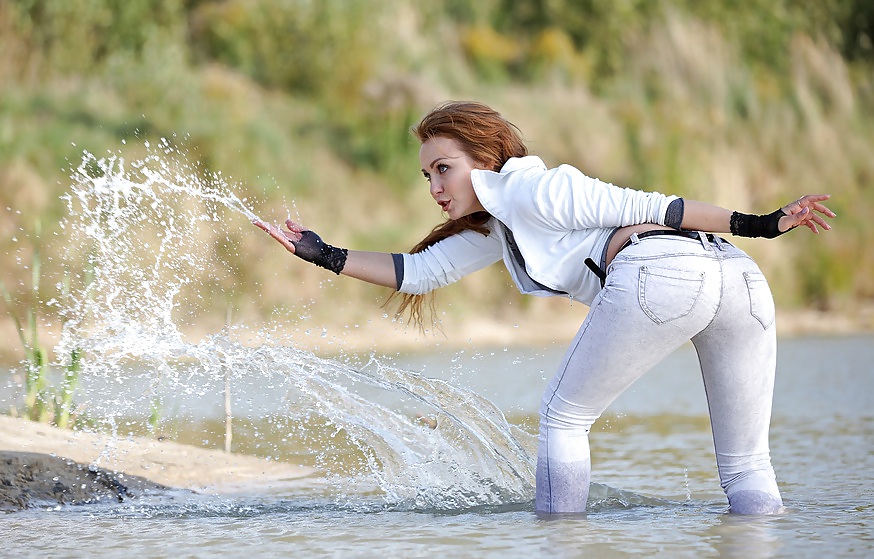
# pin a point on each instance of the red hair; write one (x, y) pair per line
(487, 138)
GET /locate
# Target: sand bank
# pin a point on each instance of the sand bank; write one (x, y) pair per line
(43, 465)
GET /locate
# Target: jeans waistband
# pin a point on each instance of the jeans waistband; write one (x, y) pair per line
(674, 233)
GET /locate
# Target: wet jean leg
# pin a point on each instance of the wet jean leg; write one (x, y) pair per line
(737, 352)
(619, 341)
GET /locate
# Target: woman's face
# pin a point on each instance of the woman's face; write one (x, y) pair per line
(448, 169)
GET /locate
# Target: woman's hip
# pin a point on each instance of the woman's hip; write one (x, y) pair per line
(671, 278)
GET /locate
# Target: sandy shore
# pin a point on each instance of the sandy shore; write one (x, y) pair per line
(41, 465)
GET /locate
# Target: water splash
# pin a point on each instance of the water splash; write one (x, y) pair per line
(146, 231)
(141, 234)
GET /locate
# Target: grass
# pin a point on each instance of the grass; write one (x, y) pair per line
(42, 402)
(279, 103)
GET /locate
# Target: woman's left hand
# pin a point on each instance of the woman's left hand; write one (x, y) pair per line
(806, 211)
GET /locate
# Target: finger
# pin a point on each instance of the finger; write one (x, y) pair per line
(824, 210)
(809, 219)
(280, 235)
(292, 226)
(800, 216)
(810, 223)
(821, 222)
(809, 201)
(292, 236)
(812, 199)
(283, 240)
(269, 228)
(289, 236)
(277, 234)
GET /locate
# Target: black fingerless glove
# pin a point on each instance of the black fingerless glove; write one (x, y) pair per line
(745, 225)
(313, 249)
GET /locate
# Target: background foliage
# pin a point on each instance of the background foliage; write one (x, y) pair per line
(745, 104)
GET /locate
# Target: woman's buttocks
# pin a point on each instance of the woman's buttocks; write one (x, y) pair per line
(670, 277)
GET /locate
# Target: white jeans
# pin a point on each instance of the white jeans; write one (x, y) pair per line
(659, 293)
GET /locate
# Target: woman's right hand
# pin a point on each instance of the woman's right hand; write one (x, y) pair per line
(285, 238)
(373, 267)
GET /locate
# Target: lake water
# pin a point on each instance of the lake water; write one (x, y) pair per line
(656, 491)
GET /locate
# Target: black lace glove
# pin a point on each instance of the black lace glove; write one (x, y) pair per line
(313, 249)
(745, 225)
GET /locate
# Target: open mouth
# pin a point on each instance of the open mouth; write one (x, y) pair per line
(444, 204)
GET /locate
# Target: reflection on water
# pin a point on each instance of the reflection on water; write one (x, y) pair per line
(284, 528)
(463, 488)
(755, 538)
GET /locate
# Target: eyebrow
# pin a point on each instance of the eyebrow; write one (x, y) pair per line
(431, 166)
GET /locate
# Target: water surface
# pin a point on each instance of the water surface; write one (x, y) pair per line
(652, 454)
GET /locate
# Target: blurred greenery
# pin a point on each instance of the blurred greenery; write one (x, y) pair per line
(744, 104)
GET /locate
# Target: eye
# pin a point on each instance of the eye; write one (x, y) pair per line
(427, 176)
(442, 168)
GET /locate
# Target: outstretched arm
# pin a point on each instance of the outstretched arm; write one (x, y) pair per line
(700, 216)
(373, 267)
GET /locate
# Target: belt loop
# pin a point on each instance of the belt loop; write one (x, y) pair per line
(634, 238)
(704, 242)
(718, 240)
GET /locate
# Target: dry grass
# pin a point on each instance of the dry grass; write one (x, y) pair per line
(687, 114)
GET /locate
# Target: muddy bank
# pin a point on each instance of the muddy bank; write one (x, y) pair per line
(41, 465)
(29, 480)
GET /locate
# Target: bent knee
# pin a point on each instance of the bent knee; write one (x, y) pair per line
(564, 416)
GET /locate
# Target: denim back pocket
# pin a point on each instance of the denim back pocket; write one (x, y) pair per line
(761, 300)
(667, 294)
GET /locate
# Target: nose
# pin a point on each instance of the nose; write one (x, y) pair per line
(436, 188)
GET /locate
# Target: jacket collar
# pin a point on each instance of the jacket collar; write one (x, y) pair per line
(519, 163)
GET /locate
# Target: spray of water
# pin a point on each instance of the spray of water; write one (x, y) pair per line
(140, 237)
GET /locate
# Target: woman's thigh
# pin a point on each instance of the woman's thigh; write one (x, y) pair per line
(737, 352)
(651, 304)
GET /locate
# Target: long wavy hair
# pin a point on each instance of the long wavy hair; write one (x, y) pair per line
(487, 138)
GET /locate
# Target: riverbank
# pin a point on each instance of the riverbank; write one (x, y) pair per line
(555, 322)
(41, 465)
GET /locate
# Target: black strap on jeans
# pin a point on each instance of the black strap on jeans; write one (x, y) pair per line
(602, 275)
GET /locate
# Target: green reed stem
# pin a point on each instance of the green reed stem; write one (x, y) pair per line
(155, 415)
(34, 355)
(37, 405)
(68, 387)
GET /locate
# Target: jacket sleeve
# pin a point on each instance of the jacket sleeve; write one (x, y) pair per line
(566, 199)
(449, 260)
(575, 201)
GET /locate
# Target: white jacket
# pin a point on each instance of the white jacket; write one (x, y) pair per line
(558, 218)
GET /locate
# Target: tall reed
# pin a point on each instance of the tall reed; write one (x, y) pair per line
(35, 362)
(41, 402)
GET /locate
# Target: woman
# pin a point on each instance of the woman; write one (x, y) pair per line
(652, 279)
